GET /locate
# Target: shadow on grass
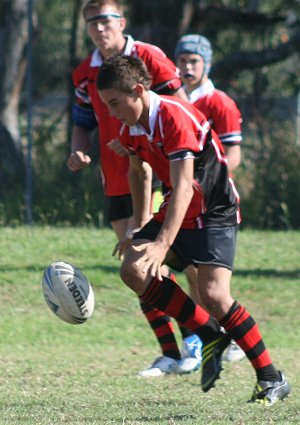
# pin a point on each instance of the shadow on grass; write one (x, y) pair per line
(35, 268)
(271, 273)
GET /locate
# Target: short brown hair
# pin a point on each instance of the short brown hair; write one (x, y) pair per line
(123, 73)
(96, 4)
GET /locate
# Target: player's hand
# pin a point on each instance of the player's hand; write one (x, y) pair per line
(153, 255)
(78, 160)
(116, 146)
(121, 248)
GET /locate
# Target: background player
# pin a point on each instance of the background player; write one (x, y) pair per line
(193, 54)
(106, 23)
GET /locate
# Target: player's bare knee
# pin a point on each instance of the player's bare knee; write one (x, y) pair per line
(131, 276)
(128, 273)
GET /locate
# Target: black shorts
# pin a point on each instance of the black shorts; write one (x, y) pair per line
(212, 245)
(118, 207)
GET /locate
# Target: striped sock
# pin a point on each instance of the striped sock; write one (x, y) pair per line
(163, 329)
(167, 296)
(242, 328)
(185, 332)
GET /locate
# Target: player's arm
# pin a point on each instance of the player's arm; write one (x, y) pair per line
(78, 158)
(181, 174)
(84, 122)
(233, 154)
(227, 120)
(116, 146)
(140, 183)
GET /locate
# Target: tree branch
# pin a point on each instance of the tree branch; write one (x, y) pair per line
(216, 15)
(256, 59)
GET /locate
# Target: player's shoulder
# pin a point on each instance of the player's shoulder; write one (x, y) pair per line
(176, 109)
(146, 49)
(82, 69)
(219, 97)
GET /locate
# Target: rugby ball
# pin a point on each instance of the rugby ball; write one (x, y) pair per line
(68, 293)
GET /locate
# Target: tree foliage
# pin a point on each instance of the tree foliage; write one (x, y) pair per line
(256, 61)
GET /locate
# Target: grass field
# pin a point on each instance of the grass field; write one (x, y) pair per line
(55, 373)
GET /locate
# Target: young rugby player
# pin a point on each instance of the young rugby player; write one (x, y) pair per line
(197, 224)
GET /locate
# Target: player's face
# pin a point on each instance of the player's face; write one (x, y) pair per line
(127, 108)
(106, 32)
(191, 67)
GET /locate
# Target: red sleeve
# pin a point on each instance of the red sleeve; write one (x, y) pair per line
(226, 118)
(80, 81)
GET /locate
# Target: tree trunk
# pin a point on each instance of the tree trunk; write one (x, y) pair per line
(13, 40)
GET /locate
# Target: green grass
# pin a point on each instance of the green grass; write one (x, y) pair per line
(55, 373)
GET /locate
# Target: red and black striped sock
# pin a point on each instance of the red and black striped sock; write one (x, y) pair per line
(185, 332)
(163, 329)
(167, 296)
(240, 326)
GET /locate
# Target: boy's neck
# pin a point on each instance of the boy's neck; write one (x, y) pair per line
(144, 118)
(191, 87)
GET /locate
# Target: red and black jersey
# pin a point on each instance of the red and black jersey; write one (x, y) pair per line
(180, 131)
(165, 79)
(220, 110)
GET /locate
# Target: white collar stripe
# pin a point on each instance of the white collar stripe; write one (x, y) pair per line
(193, 118)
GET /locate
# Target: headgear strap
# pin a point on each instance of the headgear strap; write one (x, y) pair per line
(104, 16)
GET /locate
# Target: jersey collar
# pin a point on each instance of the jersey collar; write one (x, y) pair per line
(97, 58)
(204, 90)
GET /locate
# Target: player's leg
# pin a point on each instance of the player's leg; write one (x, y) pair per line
(167, 296)
(214, 287)
(271, 383)
(233, 352)
(171, 361)
(119, 213)
(165, 334)
(189, 360)
(164, 331)
(191, 352)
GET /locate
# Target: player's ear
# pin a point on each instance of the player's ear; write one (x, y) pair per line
(139, 89)
(123, 23)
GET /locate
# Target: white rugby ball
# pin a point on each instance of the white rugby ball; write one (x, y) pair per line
(68, 293)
